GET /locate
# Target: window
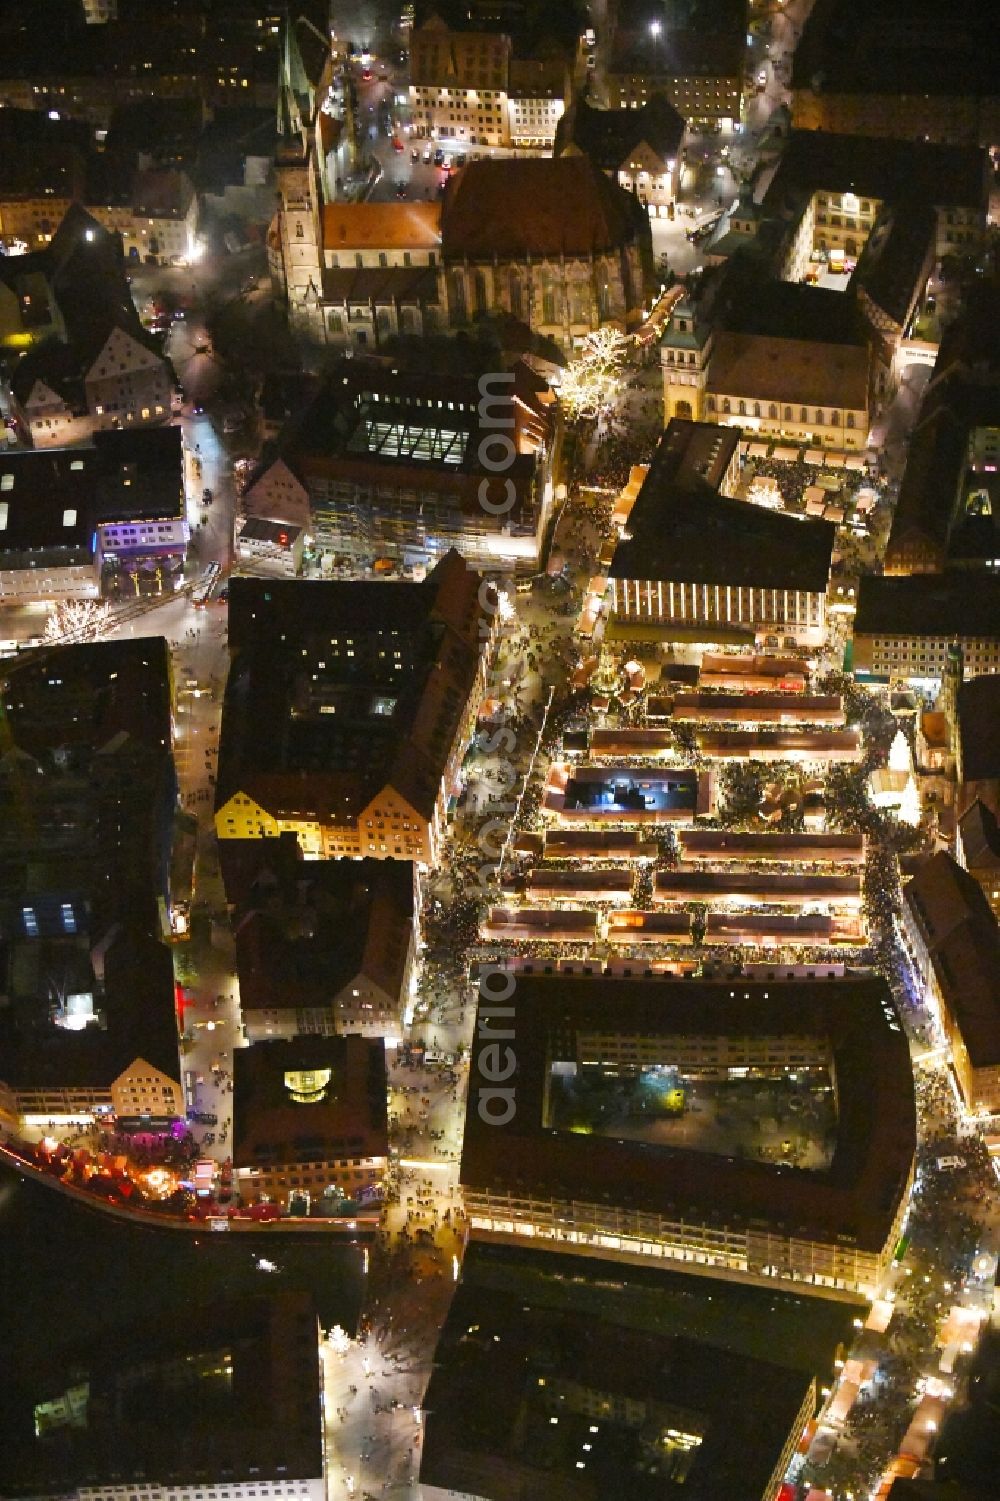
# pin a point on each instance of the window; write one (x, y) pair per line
(726, 407)
(788, 414)
(772, 411)
(7, 482)
(69, 518)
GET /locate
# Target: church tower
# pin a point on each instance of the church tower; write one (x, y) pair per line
(296, 232)
(684, 353)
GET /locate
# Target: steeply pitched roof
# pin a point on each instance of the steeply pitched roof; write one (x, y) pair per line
(771, 368)
(979, 728)
(928, 604)
(928, 172)
(695, 535)
(963, 941)
(381, 226)
(545, 206)
(607, 136)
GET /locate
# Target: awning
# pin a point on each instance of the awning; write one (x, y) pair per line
(813, 456)
(758, 450)
(786, 455)
(854, 461)
(834, 461)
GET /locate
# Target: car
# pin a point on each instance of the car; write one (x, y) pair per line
(366, 75)
(427, 155)
(439, 157)
(401, 190)
(397, 144)
(461, 159)
(446, 164)
(414, 154)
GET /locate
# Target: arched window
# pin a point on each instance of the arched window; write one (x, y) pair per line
(788, 414)
(743, 408)
(725, 404)
(772, 412)
(834, 418)
(820, 420)
(710, 403)
(850, 419)
(803, 414)
(756, 408)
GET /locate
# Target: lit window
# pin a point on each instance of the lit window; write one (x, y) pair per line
(69, 518)
(7, 482)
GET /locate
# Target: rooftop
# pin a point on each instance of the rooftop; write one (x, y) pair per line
(783, 367)
(548, 206)
(700, 537)
(928, 604)
(963, 940)
(608, 136)
(855, 1199)
(893, 171)
(979, 728)
(980, 835)
(88, 789)
(905, 47)
(304, 930)
(366, 687)
(234, 1388)
(311, 1099)
(381, 226)
(525, 1399)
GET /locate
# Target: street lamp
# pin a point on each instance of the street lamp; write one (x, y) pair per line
(655, 27)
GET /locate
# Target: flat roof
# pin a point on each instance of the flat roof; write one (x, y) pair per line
(855, 1199)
